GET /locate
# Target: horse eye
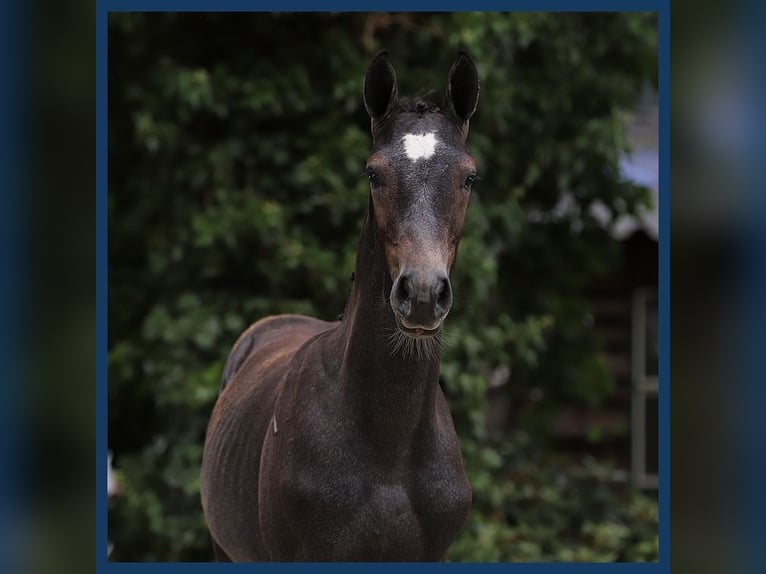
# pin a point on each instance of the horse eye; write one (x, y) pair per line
(469, 180)
(373, 177)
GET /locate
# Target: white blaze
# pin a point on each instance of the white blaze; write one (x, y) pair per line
(419, 146)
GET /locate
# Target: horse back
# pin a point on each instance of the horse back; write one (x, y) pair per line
(288, 331)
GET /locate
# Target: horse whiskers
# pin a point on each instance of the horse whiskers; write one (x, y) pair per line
(412, 348)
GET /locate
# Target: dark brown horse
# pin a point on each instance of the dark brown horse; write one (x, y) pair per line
(333, 441)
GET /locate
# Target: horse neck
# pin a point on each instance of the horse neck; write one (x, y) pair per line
(392, 389)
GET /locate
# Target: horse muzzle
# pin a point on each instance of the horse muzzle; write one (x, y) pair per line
(420, 302)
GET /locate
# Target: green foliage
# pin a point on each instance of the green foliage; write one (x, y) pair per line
(236, 191)
(529, 509)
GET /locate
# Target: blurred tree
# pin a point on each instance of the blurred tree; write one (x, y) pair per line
(237, 145)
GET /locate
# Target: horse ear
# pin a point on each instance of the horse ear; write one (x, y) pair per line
(462, 87)
(380, 87)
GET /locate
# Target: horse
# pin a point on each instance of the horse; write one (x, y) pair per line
(333, 441)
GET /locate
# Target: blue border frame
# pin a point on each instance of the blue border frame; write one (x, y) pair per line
(103, 7)
(13, 294)
(750, 501)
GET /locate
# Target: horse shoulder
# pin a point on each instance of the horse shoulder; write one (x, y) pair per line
(307, 489)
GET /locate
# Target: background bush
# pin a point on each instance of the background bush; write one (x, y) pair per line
(237, 144)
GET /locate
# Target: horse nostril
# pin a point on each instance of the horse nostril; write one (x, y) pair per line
(443, 292)
(402, 300)
(404, 289)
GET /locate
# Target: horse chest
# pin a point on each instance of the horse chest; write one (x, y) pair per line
(407, 523)
(352, 510)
